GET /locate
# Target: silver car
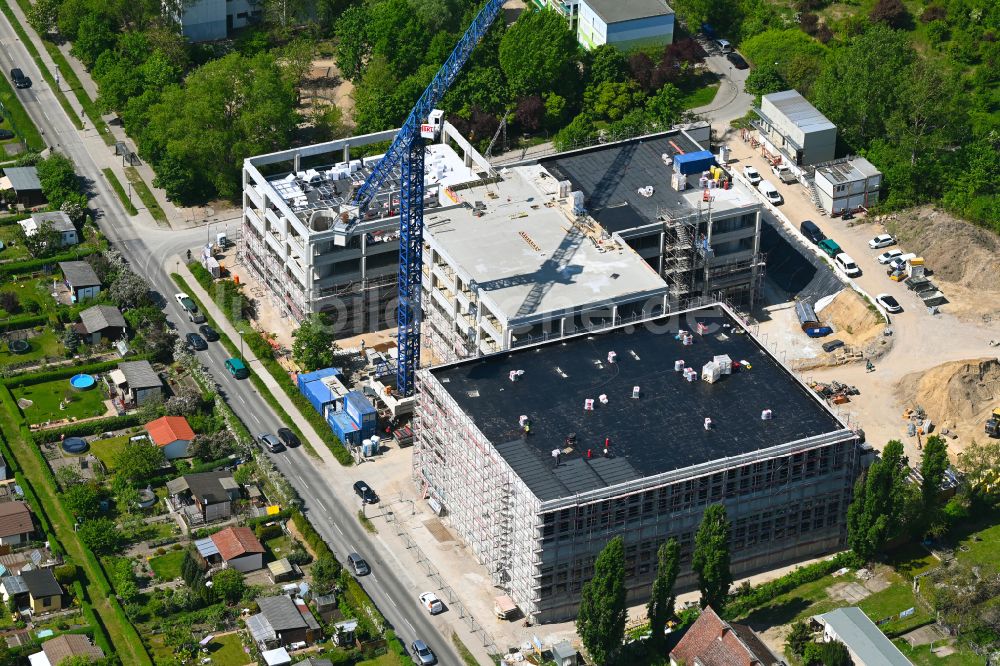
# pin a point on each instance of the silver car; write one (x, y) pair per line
(422, 654)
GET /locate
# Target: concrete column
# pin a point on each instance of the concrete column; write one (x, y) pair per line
(347, 152)
(296, 162)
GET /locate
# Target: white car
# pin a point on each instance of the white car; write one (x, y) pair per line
(751, 174)
(430, 601)
(770, 193)
(889, 255)
(844, 262)
(889, 303)
(882, 240)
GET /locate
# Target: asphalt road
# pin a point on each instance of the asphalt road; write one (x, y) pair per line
(332, 514)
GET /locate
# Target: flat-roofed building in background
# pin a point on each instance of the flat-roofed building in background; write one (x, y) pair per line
(624, 24)
(847, 184)
(691, 409)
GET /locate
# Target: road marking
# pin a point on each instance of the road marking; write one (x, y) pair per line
(353, 549)
(337, 527)
(391, 601)
(409, 625)
(375, 580)
(244, 400)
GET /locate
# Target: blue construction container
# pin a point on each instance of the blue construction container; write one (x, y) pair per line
(362, 412)
(689, 163)
(345, 428)
(312, 387)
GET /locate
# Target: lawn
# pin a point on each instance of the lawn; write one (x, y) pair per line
(279, 546)
(107, 450)
(890, 602)
(228, 651)
(388, 659)
(808, 599)
(982, 547)
(167, 567)
(692, 99)
(47, 396)
(36, 290)
(16, 118)
(922, 656)
(13, 249)
(46, 344)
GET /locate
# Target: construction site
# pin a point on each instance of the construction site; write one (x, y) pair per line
(655, 217)
(538, 457)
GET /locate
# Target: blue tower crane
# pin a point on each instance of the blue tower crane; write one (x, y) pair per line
(407, 150)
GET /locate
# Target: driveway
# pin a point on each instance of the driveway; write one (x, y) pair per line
(732, 101)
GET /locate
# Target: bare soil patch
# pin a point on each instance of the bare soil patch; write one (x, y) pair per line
(852, 320)
(958, 395)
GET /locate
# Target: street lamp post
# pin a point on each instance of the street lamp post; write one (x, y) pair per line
(241, 344)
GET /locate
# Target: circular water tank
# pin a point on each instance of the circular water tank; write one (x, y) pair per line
(75, 445)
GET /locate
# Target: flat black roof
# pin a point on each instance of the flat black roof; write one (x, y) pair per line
(610, 177)
(661, 431)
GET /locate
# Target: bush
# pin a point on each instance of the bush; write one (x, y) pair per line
(65, 574)
(88, 428)
(161, 551)
(311, 536)
(265, 532)
(32, 265)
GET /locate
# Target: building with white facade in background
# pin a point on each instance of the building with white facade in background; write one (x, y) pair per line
(624, 24)
(209, 20)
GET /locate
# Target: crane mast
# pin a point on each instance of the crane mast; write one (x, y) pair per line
(407, 150)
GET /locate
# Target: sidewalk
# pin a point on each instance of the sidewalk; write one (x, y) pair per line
(101, 153)
(252, 362)
(395, 547)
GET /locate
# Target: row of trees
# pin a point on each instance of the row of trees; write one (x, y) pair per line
(887, 507)
(602, 616)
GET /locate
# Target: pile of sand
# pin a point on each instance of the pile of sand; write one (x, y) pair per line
(958, 395)
(956, 251)
(853, 321)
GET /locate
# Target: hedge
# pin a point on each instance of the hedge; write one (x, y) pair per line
(6, 220)
(66, 372)
(209, 465)
(24, 321)
(267, 532)
(33, 265)
(741, 604)
(311, 536)
(87, 428)
(100, 637)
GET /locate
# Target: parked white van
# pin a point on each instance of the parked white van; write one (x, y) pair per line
(846, 264)
(770, 193)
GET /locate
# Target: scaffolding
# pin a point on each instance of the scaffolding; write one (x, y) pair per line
(684, 250)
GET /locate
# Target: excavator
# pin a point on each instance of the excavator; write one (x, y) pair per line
(993, 424)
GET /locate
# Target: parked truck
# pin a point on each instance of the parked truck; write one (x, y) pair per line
(784, 174)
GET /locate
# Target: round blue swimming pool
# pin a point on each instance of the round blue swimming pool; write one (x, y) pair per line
(82, 382)
(75, 445)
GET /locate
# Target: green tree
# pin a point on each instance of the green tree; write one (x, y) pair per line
(833, 653)
(139, 460)
(797, 57)
(101, 535)
(859, 86)
(197, 135)
(59, 181)
(764, 80)
(612, 100)
(314, 344)
(933, 464)
(555, 110)
(579, 132)
(607, 63)
(325, 571)
(600, 621)
(44, 242)
(75, 660)
(538, 54)
(710, 560)
(980, 466)
(877, 512)
(352, 49)
(723, 15)
(228, 585)
(83, 500)
(94, 36)
(799, 637)
(665, 105)
(661, 602)
(930, 116)
(129, 291)
(43, 16)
